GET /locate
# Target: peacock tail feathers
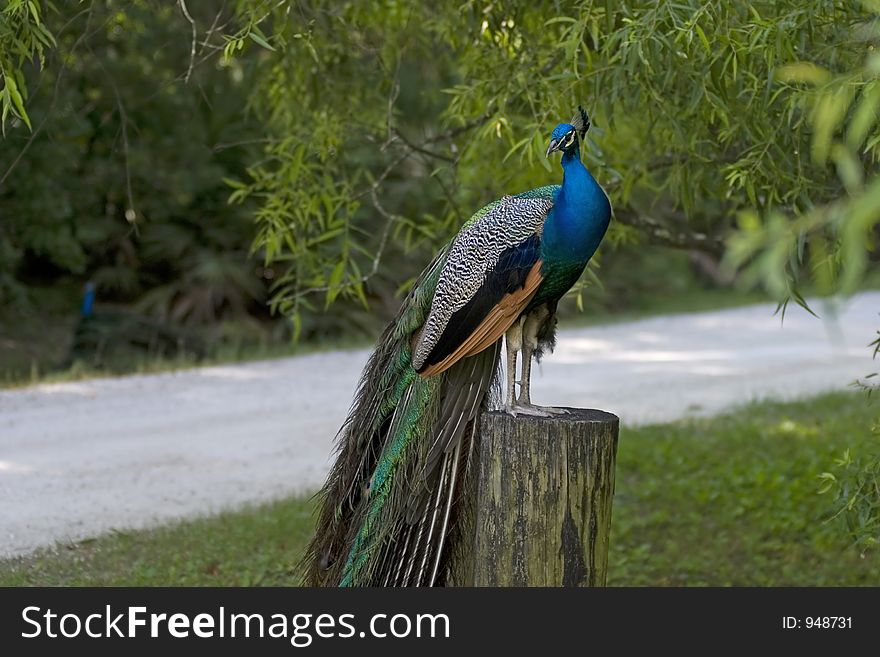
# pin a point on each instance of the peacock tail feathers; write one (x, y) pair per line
(380, 486)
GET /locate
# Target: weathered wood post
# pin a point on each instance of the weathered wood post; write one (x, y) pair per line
(543, 499)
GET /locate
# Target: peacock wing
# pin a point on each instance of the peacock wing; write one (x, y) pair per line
(491, 273)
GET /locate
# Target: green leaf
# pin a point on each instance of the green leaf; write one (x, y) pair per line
(864, 117)
(260, 39)
(803, 72)
(334, 283)
(16, 99)
(703, 39)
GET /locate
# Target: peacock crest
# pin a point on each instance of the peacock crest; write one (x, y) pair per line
(581, 121)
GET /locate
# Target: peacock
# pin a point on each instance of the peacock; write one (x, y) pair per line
(391, 511)
(100, 336)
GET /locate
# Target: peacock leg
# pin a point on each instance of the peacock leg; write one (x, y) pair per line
(513, 342)
(528, 351)
(530, 330)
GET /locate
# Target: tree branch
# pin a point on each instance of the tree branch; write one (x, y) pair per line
(195, 37)
(421, 149)
(659, 232)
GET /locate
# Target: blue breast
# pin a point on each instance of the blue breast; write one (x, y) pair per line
(579, 218)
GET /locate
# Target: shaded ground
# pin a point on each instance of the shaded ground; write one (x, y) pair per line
(81, 458)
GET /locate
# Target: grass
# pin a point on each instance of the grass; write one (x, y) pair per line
(34, 342)
(136, 363)
(733, 500)
(252, 547)
(31, 346)
(724, 501)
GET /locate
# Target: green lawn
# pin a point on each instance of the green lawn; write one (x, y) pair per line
(733, 500)
(724, 501)
(253, 547)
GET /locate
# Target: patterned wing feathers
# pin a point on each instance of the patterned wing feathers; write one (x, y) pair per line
(489, 259)
(500, 318)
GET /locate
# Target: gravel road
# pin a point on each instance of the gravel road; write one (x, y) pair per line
(78, 459)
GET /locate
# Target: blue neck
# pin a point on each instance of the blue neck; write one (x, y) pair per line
(580, 216)
(88, 303)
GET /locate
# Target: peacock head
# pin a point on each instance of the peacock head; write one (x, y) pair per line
(565, 136)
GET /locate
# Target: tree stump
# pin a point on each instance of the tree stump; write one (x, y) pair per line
(544, 487)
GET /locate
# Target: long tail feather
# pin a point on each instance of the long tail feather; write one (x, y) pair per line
(392, 494)
(416, 480)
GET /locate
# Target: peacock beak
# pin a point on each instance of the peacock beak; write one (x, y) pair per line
(554, 146)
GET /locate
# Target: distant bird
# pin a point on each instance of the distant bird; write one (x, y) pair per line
(99, 335)
(389, 512)
(87, 309)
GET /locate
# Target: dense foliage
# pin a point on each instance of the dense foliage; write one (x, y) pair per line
(118, 174)
(703, 111)
(383, 125)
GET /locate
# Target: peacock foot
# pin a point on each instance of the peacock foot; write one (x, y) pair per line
(533, 410)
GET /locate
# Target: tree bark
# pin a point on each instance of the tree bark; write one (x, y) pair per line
(544, 487)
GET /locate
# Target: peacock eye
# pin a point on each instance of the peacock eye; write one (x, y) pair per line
(569, 140)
